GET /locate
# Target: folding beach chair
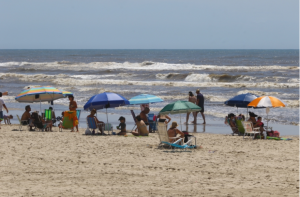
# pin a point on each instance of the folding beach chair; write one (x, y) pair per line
(133, 116)
(48, 114)
(93, 125)
(21, 125)
(38, 124)
(152, 122)
(249, 130)
(165, 139)
(235, 130)
(68, 123)
(78, 112)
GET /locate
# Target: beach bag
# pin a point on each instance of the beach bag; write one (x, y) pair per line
(276, 134)
(88, 132)
(273, 134)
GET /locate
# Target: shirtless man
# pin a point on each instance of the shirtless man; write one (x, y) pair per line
(26, 117)
(144, 117)
(141, 126)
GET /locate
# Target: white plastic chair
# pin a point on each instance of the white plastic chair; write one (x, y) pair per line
(249, 130)
(165, 139)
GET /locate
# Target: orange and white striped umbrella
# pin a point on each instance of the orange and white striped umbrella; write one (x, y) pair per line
(267, 101)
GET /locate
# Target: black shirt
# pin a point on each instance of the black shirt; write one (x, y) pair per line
(200, 97)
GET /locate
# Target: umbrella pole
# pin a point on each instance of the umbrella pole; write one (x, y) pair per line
(40, 106)
(180, 122)
(106, 116)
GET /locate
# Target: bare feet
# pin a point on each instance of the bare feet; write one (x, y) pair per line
(204, 123)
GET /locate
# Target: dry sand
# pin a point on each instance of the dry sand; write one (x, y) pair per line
(72, 164)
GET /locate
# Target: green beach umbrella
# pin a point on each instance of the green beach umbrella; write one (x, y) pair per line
(180, 107)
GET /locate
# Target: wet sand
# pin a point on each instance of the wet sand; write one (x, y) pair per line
(72, 164)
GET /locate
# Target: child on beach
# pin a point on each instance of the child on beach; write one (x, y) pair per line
(62, 119)
(7, 119)
(122, 126)
(259, 122)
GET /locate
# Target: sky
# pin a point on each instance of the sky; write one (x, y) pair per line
(149, 24)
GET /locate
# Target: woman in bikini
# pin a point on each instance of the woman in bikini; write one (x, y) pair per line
(73, 107)
(192, 99)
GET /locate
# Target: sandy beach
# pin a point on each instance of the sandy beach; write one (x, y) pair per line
(72, 164)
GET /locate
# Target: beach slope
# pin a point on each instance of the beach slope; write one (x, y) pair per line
(72, 164)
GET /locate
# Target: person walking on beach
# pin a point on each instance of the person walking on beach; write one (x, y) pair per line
(73, 107)
(2, 104)
(192, 99)
(200, 103)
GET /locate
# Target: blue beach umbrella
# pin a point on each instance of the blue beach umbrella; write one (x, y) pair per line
(241, 100)
(105, 100)
(144, 99)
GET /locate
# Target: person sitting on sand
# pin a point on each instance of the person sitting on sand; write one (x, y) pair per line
(61, 120)
(99, 123)
(122, 126)
(173, 131)
(26, 118)
(141, 127)
(7, 119)
(143, 115)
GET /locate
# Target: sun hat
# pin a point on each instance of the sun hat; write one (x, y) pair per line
(174, 124)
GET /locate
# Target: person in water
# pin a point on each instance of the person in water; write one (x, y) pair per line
(191, 99)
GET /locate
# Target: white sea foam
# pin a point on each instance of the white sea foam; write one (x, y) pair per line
(199, 78)
(141, 66)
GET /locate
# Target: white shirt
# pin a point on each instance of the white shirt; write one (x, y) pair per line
(1, 103)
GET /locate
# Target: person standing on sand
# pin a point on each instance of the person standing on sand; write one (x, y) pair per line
(192, 99)
(73, 107)
(2, 104)
(200, 103)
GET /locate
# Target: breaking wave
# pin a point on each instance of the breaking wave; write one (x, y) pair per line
(147, 65)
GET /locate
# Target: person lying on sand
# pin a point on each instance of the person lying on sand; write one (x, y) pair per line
(141, 127)
(122, 126)
(173, 132)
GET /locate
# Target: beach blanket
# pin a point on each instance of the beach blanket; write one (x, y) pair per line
(277, 138)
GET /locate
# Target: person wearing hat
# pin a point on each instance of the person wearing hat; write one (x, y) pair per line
(200, 103)
(252, 117)
(173, 132)
(100, 124)
(122, 126)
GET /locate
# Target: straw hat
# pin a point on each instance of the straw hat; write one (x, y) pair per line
(174, 124)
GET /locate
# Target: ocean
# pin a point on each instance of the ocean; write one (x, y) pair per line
(169, 74)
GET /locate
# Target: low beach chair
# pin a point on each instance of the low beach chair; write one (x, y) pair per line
(92, 125)
(235, 130)
(38, 124)
(133, 116)
(21, 125)
(68, 123)
(249, 130)
(165, 139)
(152, 122)
(48, 114)
(78, 112)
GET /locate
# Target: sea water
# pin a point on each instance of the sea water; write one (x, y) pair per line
(168, 74)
